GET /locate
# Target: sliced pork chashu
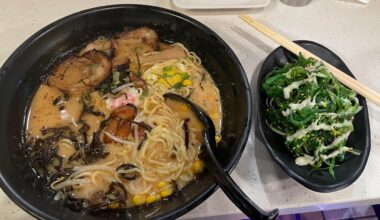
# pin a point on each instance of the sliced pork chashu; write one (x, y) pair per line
(172, 52)
(131, 44)
(100, 44)
(78, 74)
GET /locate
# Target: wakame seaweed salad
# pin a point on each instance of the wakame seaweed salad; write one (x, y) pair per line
(313, 111)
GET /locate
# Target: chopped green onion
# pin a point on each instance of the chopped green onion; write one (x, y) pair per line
(177, 85)
(185, 75)
(166, 68)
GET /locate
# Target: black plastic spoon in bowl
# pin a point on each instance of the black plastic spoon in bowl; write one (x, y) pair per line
(222, 178)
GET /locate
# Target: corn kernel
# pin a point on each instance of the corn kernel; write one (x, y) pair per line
(138, 199)
(165, 193)
(198, 166)
(184, 107)
(162, 184)
(163, 82)
(171, 72)
(113, 205)
(187, 82)
(152, 198)
(217, 138)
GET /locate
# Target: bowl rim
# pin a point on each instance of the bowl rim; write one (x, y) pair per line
(260, 118)
(29, 208)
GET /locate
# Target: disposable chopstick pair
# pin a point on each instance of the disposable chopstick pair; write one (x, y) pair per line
(350, 82)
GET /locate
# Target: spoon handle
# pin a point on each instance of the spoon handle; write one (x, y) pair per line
(240, 199)
(232, 190)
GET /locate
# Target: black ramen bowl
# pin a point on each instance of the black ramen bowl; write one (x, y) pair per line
(320, 180)
(26, 68)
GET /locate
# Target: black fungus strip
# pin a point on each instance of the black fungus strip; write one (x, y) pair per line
(116, 194)
(85, 127)
(76, 156)
(145, 127)
(90, 110)
(83, 131)
(187, 131)
(103, 124)
(57, 100)
(141, 142)
(128, 176)
(60, 130)
(95, 150)
(43, 152)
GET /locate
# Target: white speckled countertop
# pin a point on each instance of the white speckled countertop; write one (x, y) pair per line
(352, 31)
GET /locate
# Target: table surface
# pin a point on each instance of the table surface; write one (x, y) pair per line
(350, 30)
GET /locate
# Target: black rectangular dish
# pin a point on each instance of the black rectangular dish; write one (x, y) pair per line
(320, 180)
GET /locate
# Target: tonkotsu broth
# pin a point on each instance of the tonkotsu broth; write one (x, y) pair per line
(101, 133)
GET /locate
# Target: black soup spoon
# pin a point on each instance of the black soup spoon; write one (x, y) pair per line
(222, 178)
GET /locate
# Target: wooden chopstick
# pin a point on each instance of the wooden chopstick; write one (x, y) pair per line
(350, 82)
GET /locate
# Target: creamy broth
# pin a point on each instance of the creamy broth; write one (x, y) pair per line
(110, 140)
(44, 114)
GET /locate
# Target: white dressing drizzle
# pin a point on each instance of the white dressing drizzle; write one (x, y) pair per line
(315, 127)
(336, 141)
(298, 106)
(294, 85)
(305, 160)
(335, 153)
